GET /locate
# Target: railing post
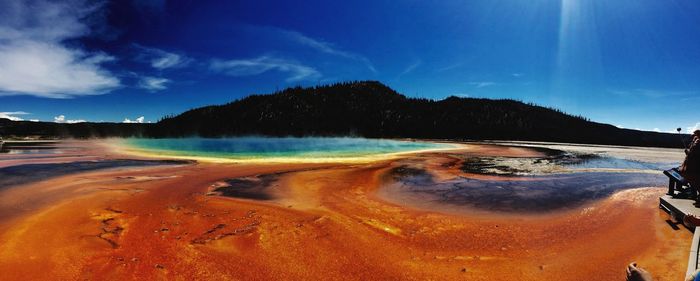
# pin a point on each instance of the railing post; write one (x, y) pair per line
(671, 186)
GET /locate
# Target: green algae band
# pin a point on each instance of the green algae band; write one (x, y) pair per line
(263, 147)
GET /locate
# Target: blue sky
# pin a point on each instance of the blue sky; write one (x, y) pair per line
(633, 64)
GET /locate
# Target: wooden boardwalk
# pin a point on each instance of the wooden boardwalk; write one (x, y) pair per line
(678, 208)
(693, 257)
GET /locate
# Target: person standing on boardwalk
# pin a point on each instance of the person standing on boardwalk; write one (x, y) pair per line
(690, 169)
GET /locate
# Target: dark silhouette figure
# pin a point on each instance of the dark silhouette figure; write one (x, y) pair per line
(690, 169)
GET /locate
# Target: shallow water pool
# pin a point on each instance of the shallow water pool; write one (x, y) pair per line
(265, 147)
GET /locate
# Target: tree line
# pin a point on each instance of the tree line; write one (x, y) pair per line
(364, 109)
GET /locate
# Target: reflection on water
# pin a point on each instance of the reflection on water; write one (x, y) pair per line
(557, 180)
(604, 162)
(38, 147)
(531, 194)
(255, 187)
(556, 163)
(27, 151)
(27, 173)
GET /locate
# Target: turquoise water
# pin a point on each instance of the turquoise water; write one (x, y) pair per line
(263, 147)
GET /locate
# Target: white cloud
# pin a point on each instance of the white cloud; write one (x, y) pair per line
(139, 119)
(11, 115)
(517, 75)
(153, 84)
(692, 129)
(656, 130)
(482, 84)
(326, 47)
(168, 60)
(62, 119)
(160, 59)
(34, 60)
(260, 65)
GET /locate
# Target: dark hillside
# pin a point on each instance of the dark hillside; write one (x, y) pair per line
(371, 109)
(367, 109)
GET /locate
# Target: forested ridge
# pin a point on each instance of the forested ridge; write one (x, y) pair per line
(363, 109)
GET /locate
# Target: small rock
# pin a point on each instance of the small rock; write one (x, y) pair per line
(541, 267)
(464, 269)
(159, 266)
(134, 259)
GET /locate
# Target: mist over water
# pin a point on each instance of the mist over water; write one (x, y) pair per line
(264, 147)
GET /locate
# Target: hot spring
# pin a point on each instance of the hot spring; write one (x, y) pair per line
(243, 148)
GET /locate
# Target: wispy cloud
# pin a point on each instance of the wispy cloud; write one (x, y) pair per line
(410, 68)
(262, 64)
(517, 75)
(153, 84)
(34, 59)
(326, 47)
(168, 60)
(62, 119)
(449, 67)
(11, 115)
(302, 39)
(652, 93)
(160, 59)
(482, 84)
(691, 129)
(139, 120)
